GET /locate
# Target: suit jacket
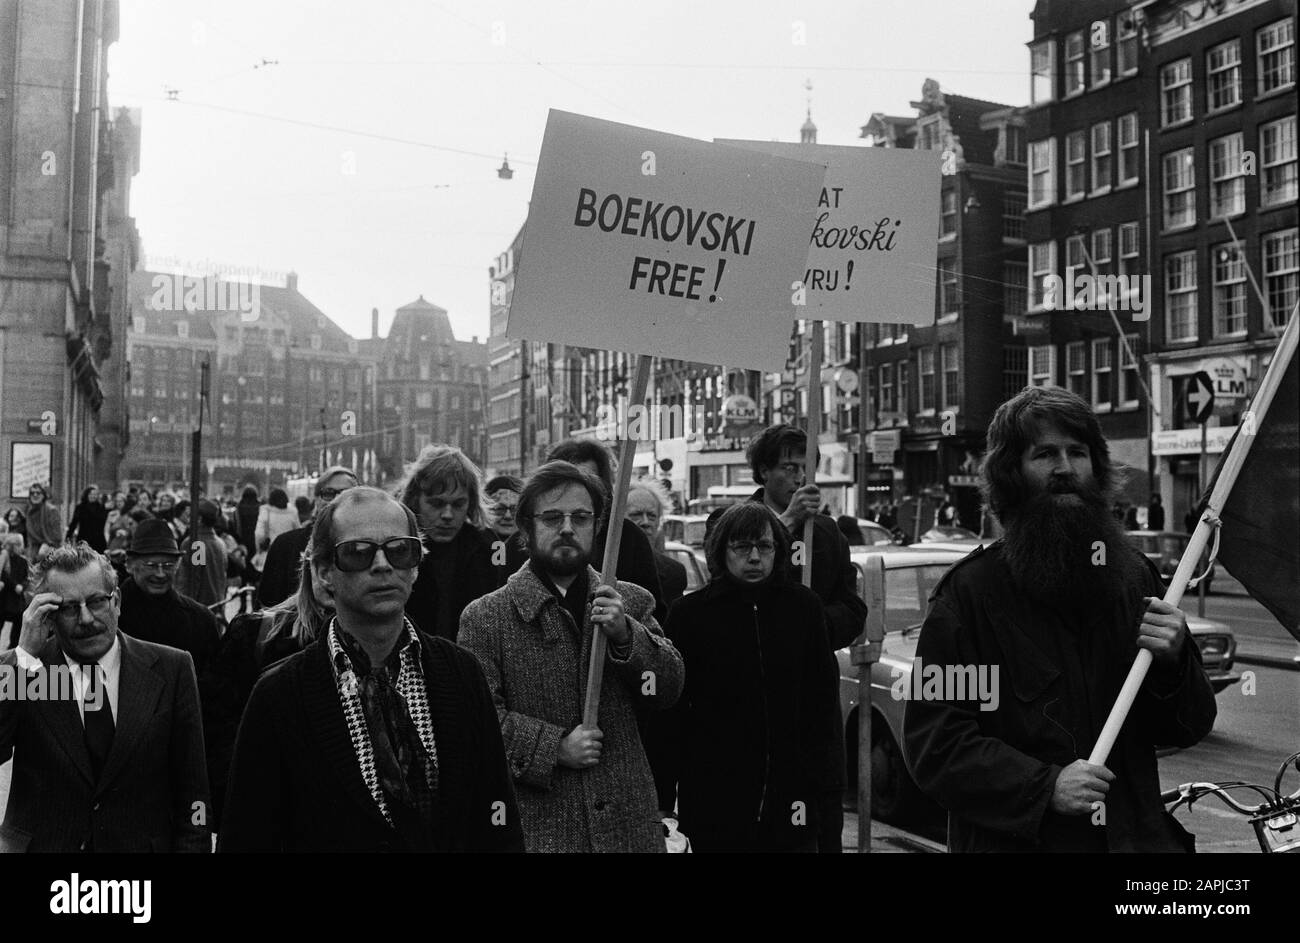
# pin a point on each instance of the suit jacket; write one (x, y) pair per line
(295, 783)
(152, 794)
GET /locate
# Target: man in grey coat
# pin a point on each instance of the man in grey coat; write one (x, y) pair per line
(580, 789)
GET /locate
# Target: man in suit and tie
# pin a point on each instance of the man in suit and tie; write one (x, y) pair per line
(105, 734)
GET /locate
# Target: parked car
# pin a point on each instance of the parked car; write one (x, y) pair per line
(685, 528)
(697, 570)
(1165, 548)
(876, 535)
(911, 573)
(951, 538)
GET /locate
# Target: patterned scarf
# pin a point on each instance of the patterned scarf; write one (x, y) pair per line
(387, 711)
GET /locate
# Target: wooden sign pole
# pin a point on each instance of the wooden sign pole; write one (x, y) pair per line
(814, 433)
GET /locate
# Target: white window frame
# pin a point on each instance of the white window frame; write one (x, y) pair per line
(1126, 46)
(1180, 297)
(1042, 365)
(1183, 191)
(1176, 92)
(182, 328)
(929, 390)
(1076, 368)
(1102, 248)
(1128, 255)
(1103, 373)
(1013, 215)
(1279, 38)
(949, 288)
(1101, 157)
(948, 214)
(1042, 75)
(1277, 146)
(1037, 273)
(1014, 279)
(1128, 148)
(1226, 176)
(1042, 164)
(1228, 292)
(1281, 274)
(1076, 258)
(888, 395)
(1099, 54)
(1074, 72)
(1076, 164)
(1229, 65)
(950, 377)
(1128, 364)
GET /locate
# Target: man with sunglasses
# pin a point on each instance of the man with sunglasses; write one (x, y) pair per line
(110, 758)
(376, 736)
(581, 789)
(279, 578)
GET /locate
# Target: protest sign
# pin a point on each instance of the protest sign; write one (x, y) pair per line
(872, 248)
(652, 243)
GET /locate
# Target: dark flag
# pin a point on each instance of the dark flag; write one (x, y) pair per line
(1259, 541)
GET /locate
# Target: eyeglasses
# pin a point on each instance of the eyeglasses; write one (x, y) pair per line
(159, 566)
(790, 468)
(555, 520)
(501, 510)
(329, 494)
(746, 547)
(71, 611)
(353, 556)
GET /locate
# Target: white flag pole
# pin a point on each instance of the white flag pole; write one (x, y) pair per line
(1231, 468)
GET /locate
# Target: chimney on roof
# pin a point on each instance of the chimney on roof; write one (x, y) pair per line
(291, 281)
(374, 324)
(474, 340)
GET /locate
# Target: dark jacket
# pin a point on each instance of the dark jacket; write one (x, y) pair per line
(464, 567)
(207, 576)
(672, 577)
(295, 784)
(281, 568)
(1059, 675)
(87, 524)
(246, 513)
(756, 726)
(173, 620)
(152, 794)
(509, 556)
(12, 602)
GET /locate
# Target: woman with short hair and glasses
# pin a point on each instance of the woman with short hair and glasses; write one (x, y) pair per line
(511, 552)
(749, 742)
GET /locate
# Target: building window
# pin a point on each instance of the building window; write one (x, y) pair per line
(1075, 257)
(1229, 278)
(1275, 45)
(182, 328)
(1281, 274)
(1176, 93)
(1076, 173)
(1042, 263)
(1042, 365)
(1076, 369)
(1013, 144)
(1129, 165)
(315, 341)
(928, 133)
(1073, 64)
(1128, 380)
(138, 323)
(424, 400)
(925, 364)
(951, 366)
(1279, 162)
(1223, 75)
(1101, 157)
(949, 295)
(1013, 212)
(1042, 68)
(1102, 366)
(1128, 249)
(1099, 38)
(1127, 46)
(948, 213)
(1042, 173)
(888, 403)
(1180, 297)
(1180, 188)
(1227, 184)
(904, 388)
(1014, 277)
(315, 374)
(1101, 249)
(1015, 370)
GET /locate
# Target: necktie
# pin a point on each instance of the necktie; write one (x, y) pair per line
(98, 718)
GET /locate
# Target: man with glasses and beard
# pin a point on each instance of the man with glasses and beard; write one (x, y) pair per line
(279, 578)
(1059, 607)
(377, 736)
(581, 789)
(110, 757)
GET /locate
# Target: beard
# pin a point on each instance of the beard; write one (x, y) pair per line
(1051, 546)
(552, 561)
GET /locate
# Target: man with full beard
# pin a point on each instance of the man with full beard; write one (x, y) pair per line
(1059, 606)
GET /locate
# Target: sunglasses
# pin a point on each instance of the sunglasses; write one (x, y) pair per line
(353, 556)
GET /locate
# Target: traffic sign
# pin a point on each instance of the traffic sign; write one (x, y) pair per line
(1228, 376)
(1199, 396)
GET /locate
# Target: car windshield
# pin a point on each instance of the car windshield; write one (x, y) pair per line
(907, 590)
(694, 533)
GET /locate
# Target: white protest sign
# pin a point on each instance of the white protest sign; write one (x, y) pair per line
(651, 243)
(875, 233)
(30, 463)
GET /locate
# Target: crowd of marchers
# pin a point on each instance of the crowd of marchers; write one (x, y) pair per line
(415, 675)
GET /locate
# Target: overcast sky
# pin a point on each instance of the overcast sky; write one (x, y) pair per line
(421, 98)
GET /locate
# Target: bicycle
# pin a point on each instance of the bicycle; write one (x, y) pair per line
(245, 596)
(1276, 820)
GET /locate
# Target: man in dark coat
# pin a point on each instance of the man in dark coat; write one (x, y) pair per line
(636, 561)
(376, 737)
(442, 489)
(280, 570)
(776, 457)
(1053, 615)
(110, 758)
(202, 573)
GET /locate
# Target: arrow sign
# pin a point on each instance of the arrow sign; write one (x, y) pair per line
(1199, 396)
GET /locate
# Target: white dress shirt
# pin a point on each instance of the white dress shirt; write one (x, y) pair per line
(110, 666)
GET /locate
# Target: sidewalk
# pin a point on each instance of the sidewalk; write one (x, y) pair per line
(1278, 653)
(886, 839)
